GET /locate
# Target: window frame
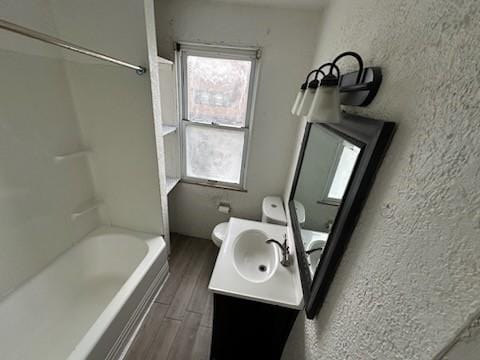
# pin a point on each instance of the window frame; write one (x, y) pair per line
(224, 52)
(331, 175)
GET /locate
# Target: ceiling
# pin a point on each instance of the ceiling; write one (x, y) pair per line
(298, 4)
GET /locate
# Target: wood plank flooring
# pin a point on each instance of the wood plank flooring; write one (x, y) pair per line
(179, 324)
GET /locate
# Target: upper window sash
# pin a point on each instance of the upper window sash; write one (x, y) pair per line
(246, 54)
(227, 52)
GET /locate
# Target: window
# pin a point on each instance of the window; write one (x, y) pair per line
(341, 171)
(216, 105)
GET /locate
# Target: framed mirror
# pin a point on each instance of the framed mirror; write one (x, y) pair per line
(335, 171)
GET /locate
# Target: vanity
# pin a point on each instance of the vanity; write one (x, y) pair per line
(256, 297)
(259, 287)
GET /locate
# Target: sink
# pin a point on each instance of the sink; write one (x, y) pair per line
(253, 258)
(248, 268)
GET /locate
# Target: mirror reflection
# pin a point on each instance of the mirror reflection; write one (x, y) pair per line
(326, 168)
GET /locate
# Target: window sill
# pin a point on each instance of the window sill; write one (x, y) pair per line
(217, 186)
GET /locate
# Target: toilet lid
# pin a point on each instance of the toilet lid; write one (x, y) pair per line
(219, 233)
(272, 208)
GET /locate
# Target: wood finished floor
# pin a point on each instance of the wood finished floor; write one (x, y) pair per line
(179, 324)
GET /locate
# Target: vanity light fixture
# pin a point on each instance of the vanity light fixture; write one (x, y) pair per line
(301, 93)
(320, 100)
(325, 106)
(308, 94)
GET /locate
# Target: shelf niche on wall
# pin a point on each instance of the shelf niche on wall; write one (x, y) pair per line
(86, 208)
(168, 129)
(170, 122)
(171, 183)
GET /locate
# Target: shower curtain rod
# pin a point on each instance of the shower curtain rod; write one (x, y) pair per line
(140, 70)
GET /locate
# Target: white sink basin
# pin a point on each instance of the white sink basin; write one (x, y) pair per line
(250, 269)
(253, 258)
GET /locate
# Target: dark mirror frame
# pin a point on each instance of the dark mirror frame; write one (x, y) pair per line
(373, 137)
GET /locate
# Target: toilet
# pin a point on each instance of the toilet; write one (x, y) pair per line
(272, 213)
(219, 233)
(300, 210)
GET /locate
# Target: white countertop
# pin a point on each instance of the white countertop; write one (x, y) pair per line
(283, 288)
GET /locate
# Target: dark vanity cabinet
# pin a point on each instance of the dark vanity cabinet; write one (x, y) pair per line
(249, 330)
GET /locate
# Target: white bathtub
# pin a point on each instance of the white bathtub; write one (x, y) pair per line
(85, 304)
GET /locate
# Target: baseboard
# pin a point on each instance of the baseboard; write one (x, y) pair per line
(125, 340)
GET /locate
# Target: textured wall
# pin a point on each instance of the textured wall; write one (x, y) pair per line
(410, 277)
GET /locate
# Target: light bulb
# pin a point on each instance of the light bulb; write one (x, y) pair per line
(306, 102)
(298, 99)
(325, 106)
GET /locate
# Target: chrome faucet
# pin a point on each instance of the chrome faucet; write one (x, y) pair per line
(285, 250)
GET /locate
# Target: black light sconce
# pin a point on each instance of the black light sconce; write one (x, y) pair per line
(320, 100)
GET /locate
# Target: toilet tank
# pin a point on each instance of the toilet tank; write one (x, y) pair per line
(273, 211)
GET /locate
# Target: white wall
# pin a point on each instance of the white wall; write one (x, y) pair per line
(48, 107)
(286, 37)
(114, 108)
(410, 278)
(37, 122)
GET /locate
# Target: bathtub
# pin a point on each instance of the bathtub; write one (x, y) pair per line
(88, 302)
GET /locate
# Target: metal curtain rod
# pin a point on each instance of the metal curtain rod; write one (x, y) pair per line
(64, 44)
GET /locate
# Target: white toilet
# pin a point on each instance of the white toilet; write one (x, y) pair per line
(272, 212)
(219, 233)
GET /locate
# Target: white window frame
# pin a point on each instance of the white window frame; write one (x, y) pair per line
(224, 52)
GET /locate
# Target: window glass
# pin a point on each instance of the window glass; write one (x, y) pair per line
(218, 90)
(214, 154)
(345, 166)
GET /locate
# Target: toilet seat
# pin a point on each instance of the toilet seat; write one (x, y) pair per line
(219, 233)
(300, 210)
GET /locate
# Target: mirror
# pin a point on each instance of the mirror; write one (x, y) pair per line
(327, 165)
(335, 170)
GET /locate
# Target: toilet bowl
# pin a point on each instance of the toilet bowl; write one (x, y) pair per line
(272, 212)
